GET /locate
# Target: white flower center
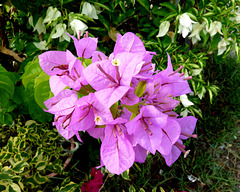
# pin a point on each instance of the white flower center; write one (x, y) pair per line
(116, 62)
(98, 119)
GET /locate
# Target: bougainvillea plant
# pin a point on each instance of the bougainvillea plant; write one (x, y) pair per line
(120, 99)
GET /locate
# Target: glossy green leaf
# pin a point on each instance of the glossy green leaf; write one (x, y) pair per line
(42, 91)
(104, 21)
(13, 187)
(40, 179)
(132, 108)
(19, 166)
(144, 3)
(132, 189)
(140, 89)
(70, 187)
(125, 175)
(169, 5)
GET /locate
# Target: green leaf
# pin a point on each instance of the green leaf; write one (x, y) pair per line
(125, 175)
(19, 166)
(133, 116)
(215, 41)
(132, 189)
(160, 12)
(141, 190)
(225, 32)
(132, 108)
(7, 119)
(169, 16)
(102, 5)
(113, 109)
(5, 176)
(140, 89)
(169, 6)
(42, 91)
(40, 179)
(161, 189)
(41, 165)
(104, 21)
(13, 187)
(70, 187)
(154, 189)
(144, 3)
(7, 84)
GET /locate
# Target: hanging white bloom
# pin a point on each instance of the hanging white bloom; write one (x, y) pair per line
(236, 18)
(185, 25)
(201, 93)
(89, 10)
(61, 32)
(237, 15)
(222, 45)
(215, 27)
(77, 26)
(196, 71)
(42, 45)
(163, 28)
(184, 113)
(195, 35)
(52, 14)
(184, 100)
(40, 27)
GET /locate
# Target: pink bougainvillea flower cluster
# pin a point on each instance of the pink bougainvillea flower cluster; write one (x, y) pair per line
(120, 99)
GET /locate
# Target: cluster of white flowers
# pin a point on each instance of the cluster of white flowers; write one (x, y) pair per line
(188, 26)
(53, 18)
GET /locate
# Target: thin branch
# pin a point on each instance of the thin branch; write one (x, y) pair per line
(9, 52)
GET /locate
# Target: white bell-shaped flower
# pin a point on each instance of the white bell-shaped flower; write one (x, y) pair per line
(215, 27)
(184, 100)
(52, 14)
(89, 10)
(222, 45)
(77, 26)
(42, 45)
(61, 32)
(195, 35)
(163, 28)
(185, 26)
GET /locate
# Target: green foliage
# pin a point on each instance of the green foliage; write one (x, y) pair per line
(29, 156)
(34, 80)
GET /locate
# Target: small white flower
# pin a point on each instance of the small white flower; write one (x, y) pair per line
(184, 100)
(192, 178)
(222, 45)
(89, 10)
(52, 14)
(98, 119)
(184, 113)
(77, 26)
(195, 35)
(201, 93)
(42, 45)
(196, 72)
(163, 28)
(116, 62)
(185, 25)
(61, 32)
(215, 27)
(40, 27)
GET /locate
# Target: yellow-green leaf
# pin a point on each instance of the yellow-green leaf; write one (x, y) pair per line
(140, 89)
(125, 175)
